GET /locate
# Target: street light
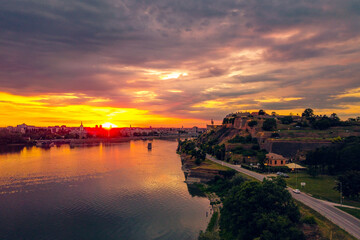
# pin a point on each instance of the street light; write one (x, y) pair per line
(340, 193)
(296, 176)
(341, 197)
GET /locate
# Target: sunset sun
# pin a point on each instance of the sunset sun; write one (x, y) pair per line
(109, 125)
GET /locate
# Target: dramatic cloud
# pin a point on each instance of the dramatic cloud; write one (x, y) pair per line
(190, 59)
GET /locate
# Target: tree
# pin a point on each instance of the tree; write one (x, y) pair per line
(275, 135)
(261, 156)
(219, 151)
(286, 120)
(349, 184)
(338, 158)
(308, 113)
(269, 124)
(322, 124)
(260, 210)
(252, 123)
(208, 236)
(334, 116)
(261, 112)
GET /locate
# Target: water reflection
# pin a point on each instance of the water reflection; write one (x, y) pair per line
(110, 191)
(5, 149)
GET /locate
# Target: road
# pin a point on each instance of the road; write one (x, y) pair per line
(340, 218)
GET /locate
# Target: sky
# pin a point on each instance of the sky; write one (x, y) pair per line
(173, 63)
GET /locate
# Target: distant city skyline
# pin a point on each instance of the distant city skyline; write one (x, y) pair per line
(175, 63)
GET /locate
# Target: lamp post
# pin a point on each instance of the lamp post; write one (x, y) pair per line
(341, 197)
(340, 193)
(296, 177)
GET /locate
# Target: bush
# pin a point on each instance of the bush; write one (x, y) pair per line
(283, 169)
(208, 236)
(309, 220)
(275, 135)
(269, 124)
(286, 120)
(255, 147)
(212, 223)
(252, 123)
(198, 161)
(349, 184)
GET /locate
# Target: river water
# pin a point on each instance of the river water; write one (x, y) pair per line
(117, 191)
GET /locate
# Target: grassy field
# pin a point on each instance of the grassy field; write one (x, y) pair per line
(207, 164)
(327, 229)
(352, 211)
(321, 187)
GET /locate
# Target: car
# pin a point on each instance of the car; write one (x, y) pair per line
(297, 191)
(279, 173)
(285, 175)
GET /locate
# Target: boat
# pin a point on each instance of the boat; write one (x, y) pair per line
(45, 144)
(149, 145)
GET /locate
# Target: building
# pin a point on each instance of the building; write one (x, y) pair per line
(276, 160)
(80, 131)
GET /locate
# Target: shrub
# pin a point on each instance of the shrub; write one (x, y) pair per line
(308, 220)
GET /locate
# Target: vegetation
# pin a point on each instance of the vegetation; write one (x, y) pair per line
(349, 184)
(275, 135)
(352, 211)
(254, 210)
(207, 164)
(326, 229)
(252, 123)
(286, 120)
(213, 222)
(209, 143)
(340, 157)
(241, 139)
(7, 137)
(260, 210)
(261, 112)
(229, 120)
(209, 236)
(322, 187)
(267, 169)
(269, 124)
(308, 113)
(189, 148)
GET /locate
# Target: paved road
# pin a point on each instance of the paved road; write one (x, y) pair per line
(340, 218)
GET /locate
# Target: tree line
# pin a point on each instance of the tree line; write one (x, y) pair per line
(342, 159)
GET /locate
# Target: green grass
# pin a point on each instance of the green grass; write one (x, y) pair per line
(213, 222)
(327, 229)
(352, 211)
(207, 164)
(321, 187)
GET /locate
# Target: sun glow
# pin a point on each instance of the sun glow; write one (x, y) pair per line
(173, 75)
(109, 125)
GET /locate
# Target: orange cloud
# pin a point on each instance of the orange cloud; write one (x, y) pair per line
(34, 110)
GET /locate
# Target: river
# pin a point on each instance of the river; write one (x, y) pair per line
(117, 191)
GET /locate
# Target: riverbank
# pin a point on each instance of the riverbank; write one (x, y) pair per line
(213, 228)
(99, 140)
(198, 175)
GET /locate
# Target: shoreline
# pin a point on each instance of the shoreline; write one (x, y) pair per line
(97, 140)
